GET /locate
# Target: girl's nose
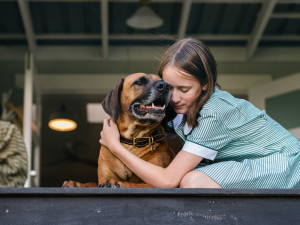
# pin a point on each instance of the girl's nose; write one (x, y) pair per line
(175, 96)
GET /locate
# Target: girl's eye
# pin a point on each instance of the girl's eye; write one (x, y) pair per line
(184, 90)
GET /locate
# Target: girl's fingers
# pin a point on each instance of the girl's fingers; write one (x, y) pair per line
(107, 122)
(112, 124)
(104, 122)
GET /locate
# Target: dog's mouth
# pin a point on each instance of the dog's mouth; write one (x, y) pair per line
(150, 110)
(158, 106)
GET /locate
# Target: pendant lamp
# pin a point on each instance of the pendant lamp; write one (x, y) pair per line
(62, 120)
(144, 18)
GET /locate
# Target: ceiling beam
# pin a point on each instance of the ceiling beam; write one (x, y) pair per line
(26, 18)
(168, 1)
(186, 8)
(228, 1)
(288, 2)
(165, 1)
(95, 36)
(289, 37)
(118, 1)
(104, 27)
(262, 20)
(158, 1)
(142, 37)
(12, 36)
(145, 37)
(286, 15)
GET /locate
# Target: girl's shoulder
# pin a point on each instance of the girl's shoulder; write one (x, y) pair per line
(219, 97)
(223, 105)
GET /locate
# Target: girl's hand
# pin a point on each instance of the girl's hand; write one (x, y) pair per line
(110, 135)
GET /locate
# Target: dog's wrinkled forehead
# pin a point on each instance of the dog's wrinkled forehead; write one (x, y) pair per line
(140, 78)
(137, 83)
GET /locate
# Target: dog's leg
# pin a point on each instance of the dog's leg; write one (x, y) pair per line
(112, 183)
(71, 183)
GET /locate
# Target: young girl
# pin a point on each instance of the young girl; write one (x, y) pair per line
(228, 142)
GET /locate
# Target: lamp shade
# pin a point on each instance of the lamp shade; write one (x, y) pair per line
(62, 121)
(144, 18)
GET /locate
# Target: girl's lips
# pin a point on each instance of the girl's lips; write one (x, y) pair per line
(178, 106)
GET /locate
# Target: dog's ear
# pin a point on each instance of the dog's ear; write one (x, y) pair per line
(170, 115)
(111, 103)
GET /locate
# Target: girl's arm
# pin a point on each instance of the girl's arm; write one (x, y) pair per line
(154, 175)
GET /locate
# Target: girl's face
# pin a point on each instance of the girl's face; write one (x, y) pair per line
(185, 88)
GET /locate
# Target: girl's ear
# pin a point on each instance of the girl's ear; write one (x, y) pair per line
(204, 88)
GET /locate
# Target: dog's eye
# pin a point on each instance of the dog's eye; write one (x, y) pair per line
(141, 81)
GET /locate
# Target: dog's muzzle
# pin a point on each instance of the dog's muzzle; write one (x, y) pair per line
(152, 105)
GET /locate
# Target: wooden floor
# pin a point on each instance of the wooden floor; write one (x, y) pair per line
(149, 206)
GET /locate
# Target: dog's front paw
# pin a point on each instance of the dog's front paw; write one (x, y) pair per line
(71, 184)
(108, 185)
(111, 183)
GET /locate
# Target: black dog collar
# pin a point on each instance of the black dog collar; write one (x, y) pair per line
(142, 142)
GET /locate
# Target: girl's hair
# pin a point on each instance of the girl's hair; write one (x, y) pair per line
(193, 57)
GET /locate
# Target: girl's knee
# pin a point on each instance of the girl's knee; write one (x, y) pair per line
(198, 179)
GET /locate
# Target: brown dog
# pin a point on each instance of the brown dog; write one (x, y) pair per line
(138, 104)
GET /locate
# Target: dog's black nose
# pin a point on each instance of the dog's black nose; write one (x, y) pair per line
(161, 86)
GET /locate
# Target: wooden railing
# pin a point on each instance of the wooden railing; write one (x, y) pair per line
(149, 206)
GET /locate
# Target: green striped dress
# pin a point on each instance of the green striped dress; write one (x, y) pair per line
(241, 145)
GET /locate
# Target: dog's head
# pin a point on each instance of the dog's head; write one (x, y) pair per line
(145, 96)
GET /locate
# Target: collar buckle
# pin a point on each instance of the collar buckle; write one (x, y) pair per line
(134, 142)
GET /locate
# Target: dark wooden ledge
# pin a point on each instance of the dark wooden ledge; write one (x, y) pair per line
(149, 206)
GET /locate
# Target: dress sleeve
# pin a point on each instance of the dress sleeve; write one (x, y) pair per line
(208, 137)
